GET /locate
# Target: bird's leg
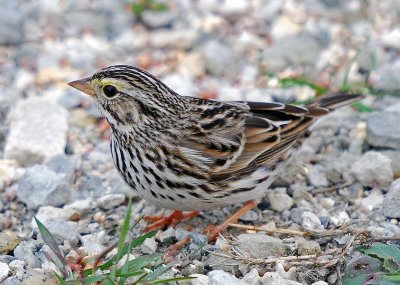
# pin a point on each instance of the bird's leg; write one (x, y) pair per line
(172, 219)
(211, 230)
(214, 231)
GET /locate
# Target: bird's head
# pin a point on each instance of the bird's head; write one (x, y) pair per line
(128, 95)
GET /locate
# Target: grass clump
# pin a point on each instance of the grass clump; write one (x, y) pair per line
(116, 270)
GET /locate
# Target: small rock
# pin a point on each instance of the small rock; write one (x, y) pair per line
(156, 19)
(320, 283)
(233, 8)
(192, 64)
(283, 27)
(32, 138)
(110, 201)
(392, 39)
(219, 277)
(260, 246)
(373, 169)
(62, 230)
(164, 38)
(63, 164)
(42, 186)
(317, 175)
(250, 216)
(280, 201)
(219, 58)
(13, 280)
(375, 198)
(310, 222)
(180, 234)
(18, 268)
(276, 279)
(394, 155)
(280, 55)
(383, 130)
(4, 270)
(385, 78)
(8, 241)
(199, 279)
(309, 247)
(167, 235)
(25, 251)
(67, 214)
(91, 244)
(149, 246)
(391, 203)
(252, 278)
(339, 219)
(196, 268)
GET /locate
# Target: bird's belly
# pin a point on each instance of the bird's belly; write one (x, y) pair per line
(163, 188)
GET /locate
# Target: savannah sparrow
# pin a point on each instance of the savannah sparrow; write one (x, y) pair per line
(192, 154)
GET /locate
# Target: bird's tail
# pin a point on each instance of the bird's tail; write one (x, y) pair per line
(326, 104)
(333, 102)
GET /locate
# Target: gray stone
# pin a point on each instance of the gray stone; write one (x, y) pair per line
(167, 235)
(311, 222)
(219, 277)
(373, 169)
(13, 280)
(317, 175)
(92, 186)
(320, 283)
(391, 202)
(394, 156)
(199, 279)
(252, 278)
(110, 201)
(149, 246)
(279, 200)
(62, 230)
(155, 19)
(4, 270)
(165, 38)
(392, 39)
(269, 9)
(11, 24)
(280, 55)
(25, 251)
(42, 186)
(34, 138)
(275, 278)
(386, 77)
(260, 246)
(250, 216)
(64, 165)
(50, 212)
(309, 247)
(233, 8)
(219, 58)
(383, 130)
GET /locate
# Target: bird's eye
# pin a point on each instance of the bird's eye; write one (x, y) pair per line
(110, 91)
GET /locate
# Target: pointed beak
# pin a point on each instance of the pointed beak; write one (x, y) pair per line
(83, 85)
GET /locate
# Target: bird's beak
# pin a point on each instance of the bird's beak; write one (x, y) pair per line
(83, 85)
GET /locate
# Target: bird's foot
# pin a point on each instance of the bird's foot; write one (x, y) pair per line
(212, 231)
(159, 222)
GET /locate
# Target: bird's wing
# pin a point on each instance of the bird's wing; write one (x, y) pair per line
(236, 138)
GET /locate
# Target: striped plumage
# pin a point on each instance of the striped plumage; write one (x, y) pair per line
(187, 153)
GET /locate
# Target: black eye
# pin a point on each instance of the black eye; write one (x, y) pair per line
(110, 91)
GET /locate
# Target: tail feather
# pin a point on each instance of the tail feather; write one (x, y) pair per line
(336, 101)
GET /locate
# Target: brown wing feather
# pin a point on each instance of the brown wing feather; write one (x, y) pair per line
(241, 136)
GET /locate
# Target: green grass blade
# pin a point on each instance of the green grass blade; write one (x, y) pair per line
(141, 262)
(51, 242)
(136, 242)
(362, 107)
(59, 278)
(131, 274)
(93, 279)
(169, 280)
(125, 227)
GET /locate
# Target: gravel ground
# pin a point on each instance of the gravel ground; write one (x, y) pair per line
(54, 157)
